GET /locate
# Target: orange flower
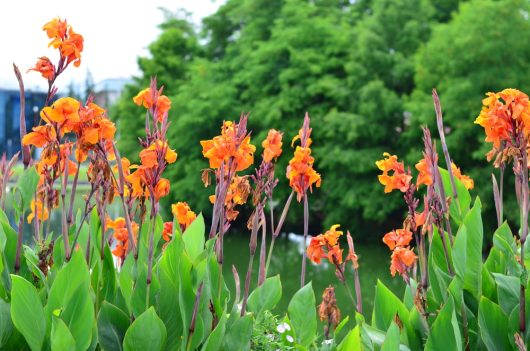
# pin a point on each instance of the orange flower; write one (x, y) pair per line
(148, 99)
(315, 250)
(397, 238)
(45, 67)
(402, 259)
(399, 179)
(40, 136)
(149, 156)
(121, 235)
(425, 176)
(326, 246)
(466, 180)
(39, 209)
(226, 146)
(301, 173)
(138, 182)
(272, 145)
(64, 111)
(72, 47)
(503, 115)
(183, 213)
(167, 232)
(63, 37)
(161, 188)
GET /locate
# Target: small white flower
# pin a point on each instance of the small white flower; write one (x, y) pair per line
(287, 326)
(270, 337)
(280, 328)
(327, 342)
(290, 338)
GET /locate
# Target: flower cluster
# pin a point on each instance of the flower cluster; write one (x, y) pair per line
(394, 176)
(121, 235)
(183, 215)
(326, 246)
(504, 115)
(70, 45)
(230, 148)
(300, 171)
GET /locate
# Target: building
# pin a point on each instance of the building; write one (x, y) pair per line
(108, 91)
(10, 117)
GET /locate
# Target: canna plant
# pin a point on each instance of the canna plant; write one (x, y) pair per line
(137, 282)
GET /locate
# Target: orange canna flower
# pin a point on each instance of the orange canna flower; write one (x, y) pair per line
(121, 234)
(425, 176)
(326, 246)
(45, 67)
(272, 145)
(161, 188)
(399, 179)
(64, 111)
(149, 156)
(503, 115)
(39, 209)
(397, 238)
(183, 213)
(466, 180)
(402, 259)
(226, 146)
(147, 98)
(40, 136)
(63, 37)
(167, 232)
(301, 173)
(56, 30)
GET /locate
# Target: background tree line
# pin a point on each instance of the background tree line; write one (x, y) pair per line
(364, 71)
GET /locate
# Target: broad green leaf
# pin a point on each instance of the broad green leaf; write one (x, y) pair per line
(27, 312)
(69, 294)
(467, 251)
(126, 279)
(458, 210)
(25, 188)
(112, 326)
(494, 326)
(445, 332)
(61, 338)
(266, 296)
(302, 313)
(168, 297)
(504, 241)
(386, 306)
(6, 325)
(215, 340)
(194, 238)
(239, 334)
(352, 341)
(391, 342)
(437, 265)
(146, 333)
(507, 292)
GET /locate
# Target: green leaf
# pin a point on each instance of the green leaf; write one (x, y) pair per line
(467, 251)
(27, 312)
(238, 336)
(193, 238)
(6, 325)
(215, 340)
(386, 306)
(26, 186)
(266, 296)
(445, 332)
(146, 333)
(61, 338)
(457, 210)
(112, 326)
(352, 341)
(69, 293)
(391, 342)
(508, 291)
(504, 241)
(494, 326)
(302, 313)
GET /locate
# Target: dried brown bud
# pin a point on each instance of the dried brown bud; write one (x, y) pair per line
(205, 177)
(328, 309)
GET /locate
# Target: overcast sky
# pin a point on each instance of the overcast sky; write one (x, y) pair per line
(116, 32)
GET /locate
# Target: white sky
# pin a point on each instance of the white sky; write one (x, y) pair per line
(116, 32)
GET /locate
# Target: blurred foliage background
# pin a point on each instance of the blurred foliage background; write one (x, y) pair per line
(364, 70)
